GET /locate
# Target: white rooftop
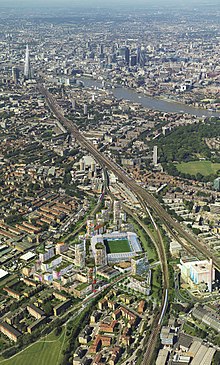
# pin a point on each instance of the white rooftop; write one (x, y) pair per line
(3, 273)
(27, 256)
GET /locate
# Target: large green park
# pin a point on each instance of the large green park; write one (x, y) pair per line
(47, 351)
(204, 168)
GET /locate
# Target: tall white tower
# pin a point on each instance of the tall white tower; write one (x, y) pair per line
(27, 65)
(155, 156)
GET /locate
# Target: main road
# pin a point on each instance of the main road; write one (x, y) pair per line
(141, 193)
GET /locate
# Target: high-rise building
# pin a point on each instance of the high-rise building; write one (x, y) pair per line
(138, 54)
(73, 104)
(139, 265)
(100, 254)
(155, 156)
(15, 74)
(85, 109)
(133, 60)
(116, 211)
(142, 58)
(80, 254)
(82, 165)
(27, 65)
(124, 52)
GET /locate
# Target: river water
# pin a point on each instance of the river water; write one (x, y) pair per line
(167, 106)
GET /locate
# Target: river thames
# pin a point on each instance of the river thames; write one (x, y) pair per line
(168, 106)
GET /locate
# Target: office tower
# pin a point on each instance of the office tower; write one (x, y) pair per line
(133, 60)
(142, 58)
(138, 54)
(101, 49)
(15, 74)
(124, 52)
(27, 65)
(155, 156)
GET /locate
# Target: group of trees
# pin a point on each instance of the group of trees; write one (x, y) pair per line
(185, 143)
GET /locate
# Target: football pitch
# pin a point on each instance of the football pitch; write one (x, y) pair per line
(117, 246)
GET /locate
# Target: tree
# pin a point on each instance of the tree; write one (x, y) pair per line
(48, 309)
(216, 359)
(58, 331)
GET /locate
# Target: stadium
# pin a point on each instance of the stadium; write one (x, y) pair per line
(120, 246)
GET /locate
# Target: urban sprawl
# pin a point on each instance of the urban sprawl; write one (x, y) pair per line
(110, 209)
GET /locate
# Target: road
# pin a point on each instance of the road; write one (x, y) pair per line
(150, 201)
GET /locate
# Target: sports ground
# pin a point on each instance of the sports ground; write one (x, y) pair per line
(117, 246)
(205, 168)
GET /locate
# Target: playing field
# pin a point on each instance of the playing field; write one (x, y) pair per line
(117, 246)
(45, 352)
(205, 168)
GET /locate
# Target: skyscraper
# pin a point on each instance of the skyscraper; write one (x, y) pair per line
(27, 65)
(15, 74)
(155, 156)
(142, 58)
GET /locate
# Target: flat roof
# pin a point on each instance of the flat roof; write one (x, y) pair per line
(3, 273)
(28, 256)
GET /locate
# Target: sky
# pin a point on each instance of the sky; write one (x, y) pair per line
(101, 3)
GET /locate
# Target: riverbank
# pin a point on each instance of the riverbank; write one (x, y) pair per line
(153, 103)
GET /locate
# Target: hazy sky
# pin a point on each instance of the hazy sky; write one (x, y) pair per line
(101, 3)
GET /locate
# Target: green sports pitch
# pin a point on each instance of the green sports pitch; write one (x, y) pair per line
(117, 246)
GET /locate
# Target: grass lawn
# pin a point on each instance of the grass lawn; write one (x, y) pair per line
(205, 168)
(47, 351)
(117, 246)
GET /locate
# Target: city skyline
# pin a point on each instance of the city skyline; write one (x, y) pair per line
(109, 182)
(105, 3)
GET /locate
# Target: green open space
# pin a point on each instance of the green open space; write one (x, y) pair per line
(204, 168)
(145, 241)
(47, 351)
(81, 286)
(117, 246)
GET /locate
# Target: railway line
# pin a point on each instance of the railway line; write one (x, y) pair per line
(150, 204)
(141, 193)
(158, 243)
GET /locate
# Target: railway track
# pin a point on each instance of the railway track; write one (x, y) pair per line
(158, 243)
(149, 200)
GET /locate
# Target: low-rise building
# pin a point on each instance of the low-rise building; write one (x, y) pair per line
(10, 331)
(61, 307)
